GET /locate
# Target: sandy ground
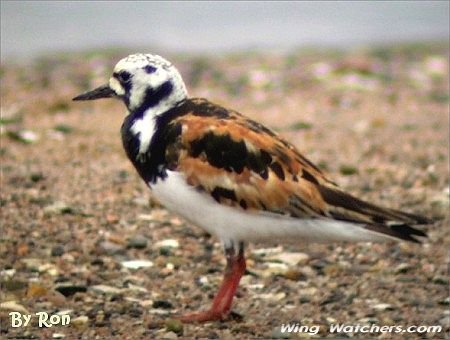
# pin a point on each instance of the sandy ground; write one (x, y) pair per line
(74, 212)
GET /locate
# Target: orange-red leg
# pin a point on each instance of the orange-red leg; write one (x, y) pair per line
(222, 301)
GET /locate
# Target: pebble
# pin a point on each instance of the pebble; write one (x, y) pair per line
(368, 321)
(8, 272)
(104, 289)
(169, 335)
(58, 336)
(164, 304)
(291, 259)
(169, 243)
(57, 250)
(203, 281)
(145, 217)
(136, 264)
(141, 201)
(294, 275)
(32, 264)
(267, 251)
(24, 136)
(175, 326)
(65, 312)
(138, 242)
(445, 321)
(80, 321)
(440, 280)
(278, 334)
(111, 248)
(35, 290)
(445, 302)
(58, 208)
(311, 291)
(48, 268)
(14, 307)
(382, 307)
(402, 268)
(137, 289)
(13, 285)
(68, 289)
(272, 296)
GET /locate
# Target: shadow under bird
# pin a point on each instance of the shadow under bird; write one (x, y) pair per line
(232, 176)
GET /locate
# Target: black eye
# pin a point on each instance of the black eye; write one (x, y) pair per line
(150, 69)
(124, 77)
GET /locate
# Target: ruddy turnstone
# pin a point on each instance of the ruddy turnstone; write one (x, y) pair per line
(232, 176)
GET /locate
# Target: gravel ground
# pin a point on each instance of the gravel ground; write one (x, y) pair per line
(81, 235)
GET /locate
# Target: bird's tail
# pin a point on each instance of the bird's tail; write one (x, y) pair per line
(390, 222)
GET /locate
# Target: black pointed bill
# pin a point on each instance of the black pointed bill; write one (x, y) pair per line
(103, 91)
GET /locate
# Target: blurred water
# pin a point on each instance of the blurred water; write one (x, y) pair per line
(41, 27)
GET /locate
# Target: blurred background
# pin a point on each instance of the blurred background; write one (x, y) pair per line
(30, 28)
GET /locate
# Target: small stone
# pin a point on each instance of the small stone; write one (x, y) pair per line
(309, 292)
(68, 289)
(165, 251)
(63, 128)
(203, 281)
(333, 297)
(402, 268)
(58, 208)
(169, 336)
(294, 275)
(291, 259)
(146, 303)
(111, 248)
(104, 289)
(57, 250)
(382, 307)
(24, 136)
(141, 201)
(164, 304)
(49, 268)
(80, 321)
(13, 306)
(272, 296)
(175, 326)
(145, 217)
(13, 285)
(278, 334)
(32, 264)
(35, 290)
(8, 272)
(445, 321)
(445, 302)
(36, 176)
(170, 243)
(135, 288)
(138, 242)
(348, 170)
(136, 264)
(112, 218)
(267, 251)
(58, 336)
(368, 321)
(440, 280)
(56, 298)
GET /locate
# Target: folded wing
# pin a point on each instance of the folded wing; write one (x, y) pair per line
(241, 163)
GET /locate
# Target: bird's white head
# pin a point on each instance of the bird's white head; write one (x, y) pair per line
(144, 82)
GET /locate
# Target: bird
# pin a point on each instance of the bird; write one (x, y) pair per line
(232, 176)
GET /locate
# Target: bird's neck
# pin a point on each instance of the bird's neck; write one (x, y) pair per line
(154, 104)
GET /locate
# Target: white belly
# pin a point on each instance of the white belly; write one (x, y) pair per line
(233, 224)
